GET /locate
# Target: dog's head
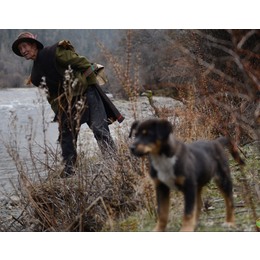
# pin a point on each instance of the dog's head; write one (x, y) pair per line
(149, 136)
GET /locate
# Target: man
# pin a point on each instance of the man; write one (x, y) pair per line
(74, 101)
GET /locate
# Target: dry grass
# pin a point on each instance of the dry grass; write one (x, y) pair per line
(115, 193)
(101, 191)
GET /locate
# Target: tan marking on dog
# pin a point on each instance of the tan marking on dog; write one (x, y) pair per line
(144, 132)
(156, 147)
(189, 222)
(156, 181)
(144, 148)
(230, 216)
(180, 180)
(163, 216)
(164, 208)
(150, 148)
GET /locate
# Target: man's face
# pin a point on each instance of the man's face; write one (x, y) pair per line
(28, 50)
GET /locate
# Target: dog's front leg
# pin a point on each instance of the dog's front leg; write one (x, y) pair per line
(163, 202)
(190, 208)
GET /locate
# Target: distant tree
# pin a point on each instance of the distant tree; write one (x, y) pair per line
(231, 56)
(160, 57)
(227, 78)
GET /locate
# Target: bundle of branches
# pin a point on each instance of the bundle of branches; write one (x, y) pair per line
(101, 191)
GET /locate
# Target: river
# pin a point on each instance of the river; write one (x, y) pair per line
(27, 105)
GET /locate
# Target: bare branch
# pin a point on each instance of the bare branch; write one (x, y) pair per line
(211, 68)
(211, 38)
(245, 38)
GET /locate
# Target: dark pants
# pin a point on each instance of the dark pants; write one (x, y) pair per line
(96, 120)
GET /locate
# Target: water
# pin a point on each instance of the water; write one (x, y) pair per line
(27, 104)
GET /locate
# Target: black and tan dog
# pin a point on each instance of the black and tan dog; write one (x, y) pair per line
(186, 167)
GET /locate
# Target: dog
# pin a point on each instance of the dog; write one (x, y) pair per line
(185, 167)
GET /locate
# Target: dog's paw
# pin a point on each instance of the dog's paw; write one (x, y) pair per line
(158, 229)
(187, 229)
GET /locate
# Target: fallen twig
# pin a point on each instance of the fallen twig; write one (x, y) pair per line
(17, 219)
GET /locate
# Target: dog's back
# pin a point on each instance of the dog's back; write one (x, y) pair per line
(216, 147)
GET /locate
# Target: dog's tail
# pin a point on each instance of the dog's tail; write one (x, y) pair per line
(229, 143)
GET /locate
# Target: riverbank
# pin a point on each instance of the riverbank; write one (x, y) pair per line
(10, 213)
(127, 178)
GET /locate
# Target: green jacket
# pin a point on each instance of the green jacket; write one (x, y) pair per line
(52, 61)
(79, 64)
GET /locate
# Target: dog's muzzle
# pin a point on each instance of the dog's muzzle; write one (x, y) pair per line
(137, 151)
(133, 149)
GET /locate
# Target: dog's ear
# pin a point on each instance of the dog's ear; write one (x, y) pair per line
(133, 127)
(163, 129)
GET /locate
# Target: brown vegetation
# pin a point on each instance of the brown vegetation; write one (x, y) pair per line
(220, 100)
